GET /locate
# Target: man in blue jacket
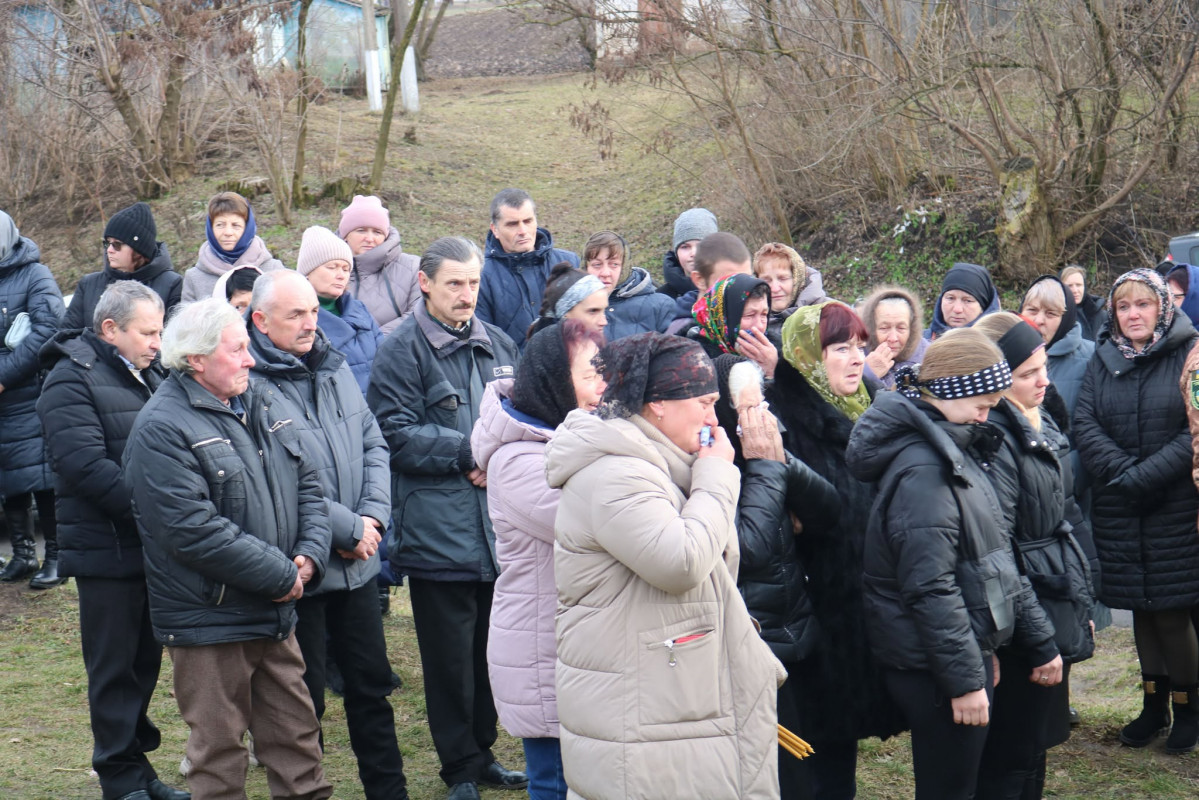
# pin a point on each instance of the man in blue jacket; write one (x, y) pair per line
(426, 387)
(519, 256)
(234, 528)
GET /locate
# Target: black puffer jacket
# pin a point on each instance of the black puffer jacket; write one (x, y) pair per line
(1092, 313)
(158, 274)
(1031, 479)
(26, 286)
(941, 582)
(842, 689)
(222, 507)
(675, 282)
(771, 577)
(1131, 430)
(88, 405)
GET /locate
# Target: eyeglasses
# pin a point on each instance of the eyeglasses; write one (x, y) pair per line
(113, 243)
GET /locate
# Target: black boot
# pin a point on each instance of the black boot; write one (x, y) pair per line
(1155, 713)
(19, 522)
(1185, 733)
(47, 577)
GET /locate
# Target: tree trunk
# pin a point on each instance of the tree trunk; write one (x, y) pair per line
(397, 63)
(297, 175)
(1028, 243)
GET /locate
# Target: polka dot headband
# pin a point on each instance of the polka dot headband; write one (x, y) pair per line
(993, 379)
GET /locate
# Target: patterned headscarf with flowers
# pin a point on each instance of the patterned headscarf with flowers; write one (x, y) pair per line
(1165, 311)
(718, 310)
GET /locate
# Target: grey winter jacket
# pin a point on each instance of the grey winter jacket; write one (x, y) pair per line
(26, 286)
(384, 279)
(159, 274)
(340, 435)
(222, 506)
(426, 390)
(942, 586)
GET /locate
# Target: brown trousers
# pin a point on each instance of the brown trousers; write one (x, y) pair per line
(223, 690)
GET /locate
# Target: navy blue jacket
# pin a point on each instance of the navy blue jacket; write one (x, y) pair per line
(353, 332)
(634, 306)
(675, 282)
(26, 285)
(513, 284)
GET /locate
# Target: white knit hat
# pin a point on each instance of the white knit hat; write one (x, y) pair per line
(321, 245)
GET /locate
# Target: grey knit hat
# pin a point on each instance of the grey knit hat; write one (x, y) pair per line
(694, 223)
(320, 245)
(135, 227)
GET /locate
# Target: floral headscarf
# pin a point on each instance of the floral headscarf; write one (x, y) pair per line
(1165, 311)
(801, 348)
(718, 310)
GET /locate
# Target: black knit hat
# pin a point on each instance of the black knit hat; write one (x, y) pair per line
(135, 227)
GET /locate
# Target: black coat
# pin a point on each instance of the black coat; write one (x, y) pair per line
(1030, 472)
(675, 282)
(26, 286)
(158, 274)
(423, 396)
(1092, 314)
(841, 689)
(771, 576)
(943, 590)
(222, 506)
(88, 405)
(1131, 430)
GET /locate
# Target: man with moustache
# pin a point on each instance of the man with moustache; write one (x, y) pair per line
(234, 528)
(99, 379)
(312, 384)
(426, 385)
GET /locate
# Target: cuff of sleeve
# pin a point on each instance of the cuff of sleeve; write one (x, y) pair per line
(466, 459)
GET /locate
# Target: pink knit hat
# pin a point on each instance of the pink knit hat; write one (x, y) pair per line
(364, 211)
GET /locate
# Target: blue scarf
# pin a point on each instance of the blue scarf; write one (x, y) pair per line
(243, 244)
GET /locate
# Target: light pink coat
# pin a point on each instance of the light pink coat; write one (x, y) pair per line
(521, 653)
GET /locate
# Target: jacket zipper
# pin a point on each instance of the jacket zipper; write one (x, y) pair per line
(670, 644)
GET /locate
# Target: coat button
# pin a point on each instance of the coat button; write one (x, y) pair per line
(220, 473)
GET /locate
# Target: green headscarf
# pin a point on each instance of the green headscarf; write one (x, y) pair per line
(801, 348)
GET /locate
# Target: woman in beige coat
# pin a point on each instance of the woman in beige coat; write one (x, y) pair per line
(665, 689)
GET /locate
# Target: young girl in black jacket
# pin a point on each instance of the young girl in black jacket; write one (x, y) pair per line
(942, 588)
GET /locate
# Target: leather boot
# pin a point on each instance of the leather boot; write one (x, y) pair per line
(1185, 733)
(19, 522)
(47, 577)
(1155, 713)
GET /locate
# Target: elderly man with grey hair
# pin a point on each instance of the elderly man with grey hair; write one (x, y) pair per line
(519, 257)
(99, 379)
(426, 385)
(234, 528)
(313, 385)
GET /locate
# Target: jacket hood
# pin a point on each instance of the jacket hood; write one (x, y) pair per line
(519, 261)
(374, 260)
(277, 363)
(974, 274)
(638, 283)
(1190, 305)
(146, 272)
(1066, 344)
(23, 251)
(678, 281)
(1180, 333)
(1069, 315)
(82, 346)
(497, 427)
(892, 424)
(584, 438)
(915, 334)
(9, 235)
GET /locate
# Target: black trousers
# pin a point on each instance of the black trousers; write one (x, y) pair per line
(945, 755)
(122, 662)
(355, 629)
(451, 620)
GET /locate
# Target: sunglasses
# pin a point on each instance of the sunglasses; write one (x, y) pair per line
(114, 244)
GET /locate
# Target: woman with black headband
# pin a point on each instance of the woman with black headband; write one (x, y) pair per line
(942, 588)
(1130, 428)
(664, 687)
(1032, 474)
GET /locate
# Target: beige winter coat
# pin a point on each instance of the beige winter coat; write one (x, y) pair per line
(646, 555)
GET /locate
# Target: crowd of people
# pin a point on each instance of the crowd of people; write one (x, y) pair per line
(642, 527)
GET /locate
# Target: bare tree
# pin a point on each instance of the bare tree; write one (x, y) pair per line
(397, 63)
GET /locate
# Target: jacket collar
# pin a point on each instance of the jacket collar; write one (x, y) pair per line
(270, 360)
(542, 244)
(199, 397)
(445, 344)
